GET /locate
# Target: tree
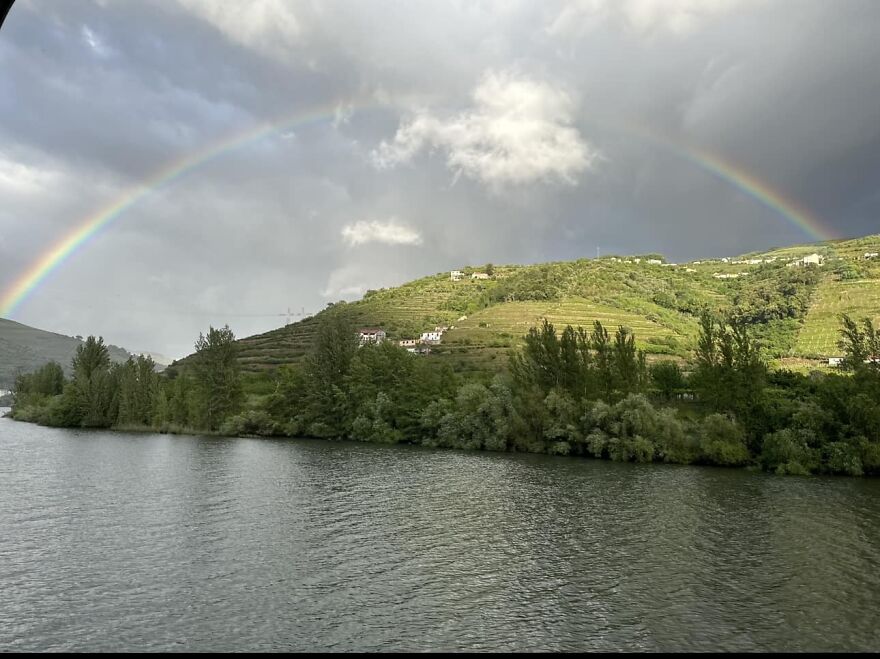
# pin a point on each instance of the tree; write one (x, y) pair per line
(861, 345)
(138, 387)
(217, 376)
(628, 363)
(94, 386)
(48, 380)
(91, 356)
(325, 398)
(667, 379)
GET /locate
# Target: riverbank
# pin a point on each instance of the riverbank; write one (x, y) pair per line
(669, 446)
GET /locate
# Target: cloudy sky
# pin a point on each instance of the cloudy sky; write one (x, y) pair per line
(411, 138)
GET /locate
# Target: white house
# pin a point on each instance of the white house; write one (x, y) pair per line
(871, 255)
(810, 259)
(655, 261)
(479, 275)
(456, 275)
(371, 335)
(431, 337)
(835, 361)
(408, 343)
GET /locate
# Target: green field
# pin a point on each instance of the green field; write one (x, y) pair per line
(660, 304)
(820, 333)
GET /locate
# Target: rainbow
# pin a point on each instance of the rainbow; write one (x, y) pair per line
(759, 190)
(29, 280)
(731, 174)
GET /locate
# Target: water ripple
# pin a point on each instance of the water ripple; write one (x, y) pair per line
(148, 542)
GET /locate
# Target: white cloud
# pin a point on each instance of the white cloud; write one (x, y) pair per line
(389, 233)
(519, 131)
(347, 282)
(16, 177)
(270, 27)
(642, 17)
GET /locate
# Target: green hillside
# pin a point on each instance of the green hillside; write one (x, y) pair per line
(794, 310)
(24, 349)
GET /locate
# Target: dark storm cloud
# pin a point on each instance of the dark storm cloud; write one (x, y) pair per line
(496, 131)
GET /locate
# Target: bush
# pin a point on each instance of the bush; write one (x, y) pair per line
(250, 423)
(788, 452)
(722, 441)
(843, 458)
(870, 454)
(673, 444)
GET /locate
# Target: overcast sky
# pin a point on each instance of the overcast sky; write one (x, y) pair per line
(452, 133)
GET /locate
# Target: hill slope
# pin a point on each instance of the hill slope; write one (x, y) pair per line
(794, 309)
(24, 349)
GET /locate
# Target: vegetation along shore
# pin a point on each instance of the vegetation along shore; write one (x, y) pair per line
(574, 392)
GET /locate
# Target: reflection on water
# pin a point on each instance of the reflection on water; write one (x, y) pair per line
(150, 542)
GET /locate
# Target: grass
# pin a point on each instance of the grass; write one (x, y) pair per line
(821, 330)
(660, 304)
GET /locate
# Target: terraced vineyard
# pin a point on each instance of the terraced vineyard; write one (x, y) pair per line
(820, 333)
(660, 303)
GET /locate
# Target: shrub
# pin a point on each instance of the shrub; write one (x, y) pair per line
(252, 422)
(870, 454)
(673, 444)
(722, 441)
(843, 458)
(598, 444)
(788, 452)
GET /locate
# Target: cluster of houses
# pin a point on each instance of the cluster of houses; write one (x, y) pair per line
(457, 275)
(746, 261)
(871, 255)
(614, 259)
(809, 260)
(419, 346)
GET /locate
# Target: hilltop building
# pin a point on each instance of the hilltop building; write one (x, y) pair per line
(371, 335)
(432, 338)
(811, 259)
(479, 275)
(456, 275)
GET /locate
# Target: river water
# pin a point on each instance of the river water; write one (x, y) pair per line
(113, 541)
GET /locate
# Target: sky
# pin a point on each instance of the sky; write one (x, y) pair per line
(332, 147)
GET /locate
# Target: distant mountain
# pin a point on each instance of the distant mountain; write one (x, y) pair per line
(159, 359)
(24, 349)
(794, 304)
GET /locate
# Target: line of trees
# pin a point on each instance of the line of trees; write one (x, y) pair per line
(574, 392)
(101, 394)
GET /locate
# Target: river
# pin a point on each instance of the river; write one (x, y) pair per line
(114, 541)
